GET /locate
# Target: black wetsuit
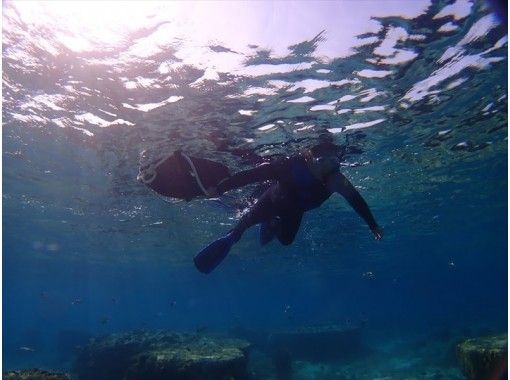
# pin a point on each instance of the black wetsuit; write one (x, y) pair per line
(294, 191)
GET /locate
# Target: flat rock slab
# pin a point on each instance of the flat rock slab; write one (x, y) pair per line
(163, 355)
(34, 374)
(484, 358)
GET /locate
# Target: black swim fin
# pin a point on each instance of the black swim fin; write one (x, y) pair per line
(212, 255)
(178, 175)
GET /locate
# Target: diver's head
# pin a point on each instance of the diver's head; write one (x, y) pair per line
(322, 165)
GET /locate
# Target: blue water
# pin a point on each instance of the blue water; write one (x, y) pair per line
(416, 97)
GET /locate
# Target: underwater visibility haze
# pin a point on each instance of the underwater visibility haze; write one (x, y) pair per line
(411, 96)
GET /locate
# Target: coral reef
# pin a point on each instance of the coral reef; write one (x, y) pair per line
(484, 358)
(162, 355)
(34, 374)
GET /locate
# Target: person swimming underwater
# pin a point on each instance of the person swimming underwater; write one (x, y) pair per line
(300, 183)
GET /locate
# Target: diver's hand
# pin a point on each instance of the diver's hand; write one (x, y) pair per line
(378, 232)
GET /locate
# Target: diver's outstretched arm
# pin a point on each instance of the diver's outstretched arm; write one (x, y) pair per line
(340, 184)
(261, 173)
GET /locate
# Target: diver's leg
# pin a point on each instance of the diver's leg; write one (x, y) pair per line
(268, 229)
(286, 224)
(263, 211)
(289, 226)
(212, 255)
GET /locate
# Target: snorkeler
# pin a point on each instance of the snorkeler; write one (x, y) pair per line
(301, 183)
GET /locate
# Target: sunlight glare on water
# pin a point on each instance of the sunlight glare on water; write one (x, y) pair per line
(88, 25)
(85, 26)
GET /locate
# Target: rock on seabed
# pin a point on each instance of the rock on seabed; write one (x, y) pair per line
(163, 355)
(34, 374)
(484, 358)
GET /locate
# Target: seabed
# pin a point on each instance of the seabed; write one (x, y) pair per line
(324, 352)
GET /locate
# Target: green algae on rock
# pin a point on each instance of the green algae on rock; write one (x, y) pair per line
(163, 355)
(34, 374)
(483, 358)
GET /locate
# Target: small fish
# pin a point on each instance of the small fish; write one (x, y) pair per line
(173, 303)
(368, 275)
(77, 301)
(27, 349)
(288, 312)
(115, 300)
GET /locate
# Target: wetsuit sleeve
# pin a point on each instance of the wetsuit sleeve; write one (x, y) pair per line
(261, 173)
(340, 184)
